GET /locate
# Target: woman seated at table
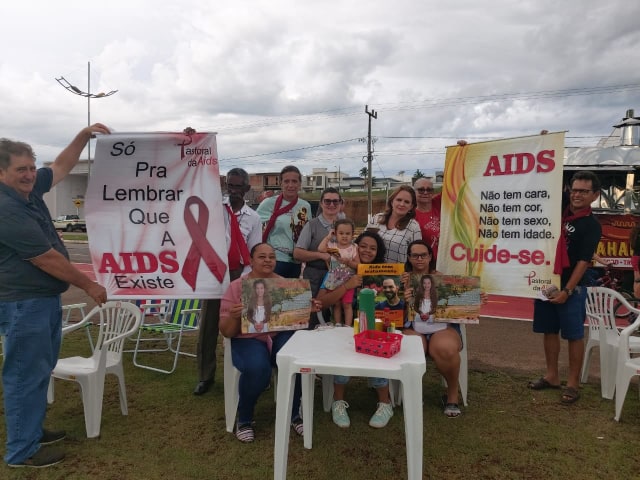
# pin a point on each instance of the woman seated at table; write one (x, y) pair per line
(254, 354)
(371, 249)
(441, 341)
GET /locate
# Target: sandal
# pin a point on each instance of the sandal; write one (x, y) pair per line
(298, 426)
(569, 395)
(541, 384)
(452, 410)
(245, 433)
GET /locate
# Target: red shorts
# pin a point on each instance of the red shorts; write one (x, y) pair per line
(348, 297)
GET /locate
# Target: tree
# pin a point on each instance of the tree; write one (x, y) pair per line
(418, 174)
(363, 172)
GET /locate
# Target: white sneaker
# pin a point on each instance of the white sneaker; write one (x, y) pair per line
(339, 413)
(382, 416)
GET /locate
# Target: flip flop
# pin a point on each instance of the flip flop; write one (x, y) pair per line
(569, 395)
(542, 384)
(452, 410)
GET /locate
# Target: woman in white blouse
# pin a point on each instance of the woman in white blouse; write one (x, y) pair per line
(397, 226)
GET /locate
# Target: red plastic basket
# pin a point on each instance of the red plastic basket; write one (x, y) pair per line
(380, 344)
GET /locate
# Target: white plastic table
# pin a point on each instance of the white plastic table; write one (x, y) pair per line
(332, 352)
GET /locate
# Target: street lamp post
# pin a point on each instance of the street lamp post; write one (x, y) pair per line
(76, 91)
(339, 178)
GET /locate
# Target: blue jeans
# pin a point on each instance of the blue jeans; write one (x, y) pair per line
(373, 382)
(251, 356)
(288, 269)
(33, 330)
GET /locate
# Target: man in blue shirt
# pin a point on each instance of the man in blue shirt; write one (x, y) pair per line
(34, 271)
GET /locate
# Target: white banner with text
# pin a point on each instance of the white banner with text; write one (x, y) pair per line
(155, 218)
(501, 213)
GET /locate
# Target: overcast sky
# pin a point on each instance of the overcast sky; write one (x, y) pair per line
(286, 82)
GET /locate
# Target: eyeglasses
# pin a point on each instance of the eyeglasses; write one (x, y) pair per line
(231, 185)
(330, 201)
(579, 191)
(421, 256)
(424, 190)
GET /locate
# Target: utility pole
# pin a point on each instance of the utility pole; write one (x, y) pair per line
(372, 114)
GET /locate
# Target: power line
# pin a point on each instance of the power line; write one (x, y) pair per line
(477, 138)
(291, 150)
(414, 105)
(431, 103)
(425, 104)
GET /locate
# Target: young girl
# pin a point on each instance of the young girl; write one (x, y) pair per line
(343, 264)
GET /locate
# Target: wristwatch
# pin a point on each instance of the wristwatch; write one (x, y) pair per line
(568, 291)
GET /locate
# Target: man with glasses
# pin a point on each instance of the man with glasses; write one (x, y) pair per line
(242, 240)
(428, 213)
(564, 313)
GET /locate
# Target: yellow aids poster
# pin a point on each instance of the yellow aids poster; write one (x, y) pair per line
(501, 213)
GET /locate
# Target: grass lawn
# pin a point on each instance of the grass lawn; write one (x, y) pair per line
(507, 432)
(74, 236)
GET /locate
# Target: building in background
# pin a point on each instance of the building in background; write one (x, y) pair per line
(67, 197)
(321, 178)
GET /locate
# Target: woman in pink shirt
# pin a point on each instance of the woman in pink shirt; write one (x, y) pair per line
(254, 354)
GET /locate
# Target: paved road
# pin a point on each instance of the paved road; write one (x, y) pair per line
(78, 252)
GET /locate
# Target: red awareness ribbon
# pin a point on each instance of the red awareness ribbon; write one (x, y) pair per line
(200, 248)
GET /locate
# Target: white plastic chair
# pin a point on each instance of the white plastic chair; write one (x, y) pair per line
(593, 341)
(68, 309)
(117, 321)
(627, 367)
(231, 383)
(601, 303)
(395, 387)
